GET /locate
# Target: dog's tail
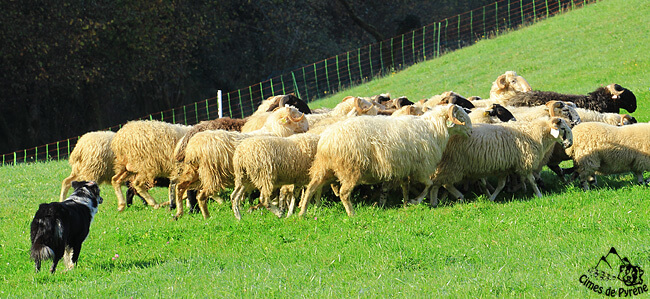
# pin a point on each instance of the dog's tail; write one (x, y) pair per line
(41, 252)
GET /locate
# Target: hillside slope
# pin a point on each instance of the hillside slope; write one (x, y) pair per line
(603, 43)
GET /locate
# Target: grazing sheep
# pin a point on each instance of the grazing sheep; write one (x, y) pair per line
(602, 148)
(615, 119)
(498, 150)
(494, 114)
(610, 98)
(143, 152)
(91, 160)
(208, 156)
(504, 88)
(267, 163)
(370, 150)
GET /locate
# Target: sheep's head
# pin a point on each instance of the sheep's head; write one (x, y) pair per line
(458, 122)
(566, 110)
(623, 97)
(288, 99)
(561, 131)
(381, 99)
(290, 118)
(409, 110)
(627, 119)
(363, 107)
(456, 99)
(501, 113)
(508, 83)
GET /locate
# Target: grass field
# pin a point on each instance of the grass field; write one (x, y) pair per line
(518, 246)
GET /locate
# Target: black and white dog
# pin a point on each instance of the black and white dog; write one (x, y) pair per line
(61, 227)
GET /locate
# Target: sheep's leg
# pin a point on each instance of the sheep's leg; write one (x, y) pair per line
(181, 188)
(315, 183)
(427, 185)
(318, 196)
(116, 181)
(235, 199)
(296, 194)
(202, 198)
(385, 188)
(345, 191)
(457, 194)
(433, 195)
(500, 184)
(405, 192)
(171, 195)
(142, 190)
(65, 186)
(484, 187)
(265, 198)
(531, 180)
(558, 171)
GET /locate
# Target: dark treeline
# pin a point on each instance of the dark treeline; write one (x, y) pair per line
(70, 67)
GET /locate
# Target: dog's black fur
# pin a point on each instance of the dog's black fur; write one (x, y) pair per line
(60, 228)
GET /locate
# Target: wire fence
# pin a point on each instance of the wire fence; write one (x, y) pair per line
(351, 68)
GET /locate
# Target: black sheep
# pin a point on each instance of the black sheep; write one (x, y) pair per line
(610, 98)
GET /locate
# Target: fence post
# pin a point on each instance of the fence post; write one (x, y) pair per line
(220, 103)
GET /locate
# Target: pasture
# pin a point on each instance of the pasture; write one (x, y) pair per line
(519, 245)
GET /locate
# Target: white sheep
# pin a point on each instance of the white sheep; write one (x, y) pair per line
(267, 163)
(601, 148)
(91, 160)
(504, 88)
(498, 150)
(565, 110)
(143, 152)
(208, 156)
(605, 117)
(374, 149)
(350, 106)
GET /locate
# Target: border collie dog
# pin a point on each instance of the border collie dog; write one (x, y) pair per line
(59, 228)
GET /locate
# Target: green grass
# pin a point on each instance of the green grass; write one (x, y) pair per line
(519, 246)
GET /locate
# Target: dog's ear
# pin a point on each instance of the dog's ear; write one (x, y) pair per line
(76, 184)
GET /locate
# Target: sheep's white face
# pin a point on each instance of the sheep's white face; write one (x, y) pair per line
(295, 120)
(566, 110)
(462, 125)
(510, 82)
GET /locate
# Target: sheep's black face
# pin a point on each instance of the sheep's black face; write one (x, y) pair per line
(457, 100)
(501, 113)
(627, 100)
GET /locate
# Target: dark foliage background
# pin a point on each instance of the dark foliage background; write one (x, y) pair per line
(70, 67)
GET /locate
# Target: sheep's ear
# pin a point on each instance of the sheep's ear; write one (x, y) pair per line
(555, 132)
(501, 81)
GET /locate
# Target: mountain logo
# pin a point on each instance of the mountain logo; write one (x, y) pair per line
(614, 270)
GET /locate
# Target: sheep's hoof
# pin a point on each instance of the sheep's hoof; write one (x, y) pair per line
(156, 206)
(121, 208)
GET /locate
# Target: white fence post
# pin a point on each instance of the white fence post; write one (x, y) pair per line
(220, 103)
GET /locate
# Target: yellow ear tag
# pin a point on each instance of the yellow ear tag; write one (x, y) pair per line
(283, 120)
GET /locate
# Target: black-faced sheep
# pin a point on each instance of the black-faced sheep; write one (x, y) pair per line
(494, 114)
(143, 152)
(498, 150)
(610, 98)
(370, 150)
(615, 119)
(208, 156)
(606, 149)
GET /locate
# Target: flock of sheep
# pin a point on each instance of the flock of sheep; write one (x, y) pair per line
(288, 151)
